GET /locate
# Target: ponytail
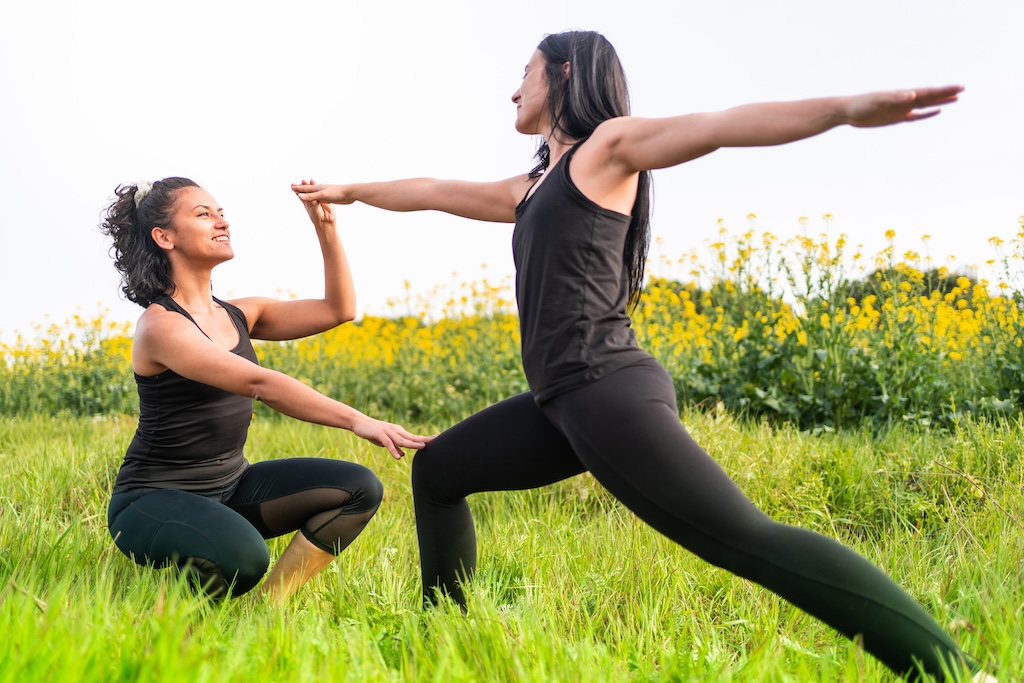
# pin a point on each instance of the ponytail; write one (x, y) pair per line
(129, 219)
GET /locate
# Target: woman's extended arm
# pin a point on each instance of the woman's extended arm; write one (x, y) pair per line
(494, 201)
(277, 319)
(165, 339)
(635, 144)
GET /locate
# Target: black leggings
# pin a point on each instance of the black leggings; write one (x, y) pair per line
(217, 539)
(625, 430)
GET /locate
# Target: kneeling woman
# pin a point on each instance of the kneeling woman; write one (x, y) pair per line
(185, 495)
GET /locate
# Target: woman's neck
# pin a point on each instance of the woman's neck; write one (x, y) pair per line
(193, 291)
(557, 146)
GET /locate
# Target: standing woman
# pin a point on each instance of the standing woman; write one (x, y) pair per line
(597, 402)
(185, 494)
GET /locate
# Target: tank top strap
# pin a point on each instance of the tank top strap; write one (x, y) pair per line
(237, 317)
(172, 305)
(576, 145)
(561, 167)
(234, 313)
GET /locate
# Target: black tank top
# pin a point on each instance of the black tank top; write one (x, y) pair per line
(572, 286)
(190, 435)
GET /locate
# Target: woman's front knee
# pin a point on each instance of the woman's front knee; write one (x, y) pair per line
(424, 472)
(434, 482)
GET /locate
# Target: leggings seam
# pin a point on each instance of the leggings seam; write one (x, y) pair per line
(310, 534)
(293, 492)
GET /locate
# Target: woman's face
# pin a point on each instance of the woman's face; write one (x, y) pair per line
(198, 228)
(531, 99)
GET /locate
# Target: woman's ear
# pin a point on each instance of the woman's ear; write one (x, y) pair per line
(565, 71)
(162, 238)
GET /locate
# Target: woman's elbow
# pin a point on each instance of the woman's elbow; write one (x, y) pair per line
(260, 387)
(345, 314)
(335, 313)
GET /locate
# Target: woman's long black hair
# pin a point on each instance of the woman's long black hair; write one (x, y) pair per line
(144, 267)
(594, 92)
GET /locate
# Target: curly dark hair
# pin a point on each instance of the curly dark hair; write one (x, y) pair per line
(144, 267)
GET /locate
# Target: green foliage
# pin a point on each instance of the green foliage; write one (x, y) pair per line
(80, 368)
(800, 333)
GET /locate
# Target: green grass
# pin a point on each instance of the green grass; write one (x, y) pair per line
(571, 587)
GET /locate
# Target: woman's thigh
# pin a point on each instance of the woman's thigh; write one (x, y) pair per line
(509, 446)
(626, 430)
(167, 527)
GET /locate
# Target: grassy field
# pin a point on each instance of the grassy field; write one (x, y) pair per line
(571, 586)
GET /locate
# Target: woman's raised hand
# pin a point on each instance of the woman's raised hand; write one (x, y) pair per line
(898, 106)
(320, 212)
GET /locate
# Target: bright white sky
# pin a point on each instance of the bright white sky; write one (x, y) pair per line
(247, 97)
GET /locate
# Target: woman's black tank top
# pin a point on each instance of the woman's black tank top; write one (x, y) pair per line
(572, 286)
(190, 435)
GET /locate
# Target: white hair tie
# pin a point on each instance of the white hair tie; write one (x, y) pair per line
(142, 189)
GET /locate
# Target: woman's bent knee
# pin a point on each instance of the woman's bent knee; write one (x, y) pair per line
(366, 489)
(216, 549)
(374, 489)
(232, 577)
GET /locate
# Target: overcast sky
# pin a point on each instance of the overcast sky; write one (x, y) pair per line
(246, 98)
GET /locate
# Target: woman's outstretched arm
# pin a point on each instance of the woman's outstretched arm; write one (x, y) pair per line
(635, 144)
(167, 340)
(494, 201)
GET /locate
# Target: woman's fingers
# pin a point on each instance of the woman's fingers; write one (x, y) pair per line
(899, 106)
(307, 190)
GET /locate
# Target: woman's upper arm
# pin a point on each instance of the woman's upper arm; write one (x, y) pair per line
(636, 144)
(171, 341)
(645, 144)
(283, 319)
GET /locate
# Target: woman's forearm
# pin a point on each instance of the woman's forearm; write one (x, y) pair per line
(339, 290)
(291, 397)
(486, 201)
(776, 123)
(409, 194)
